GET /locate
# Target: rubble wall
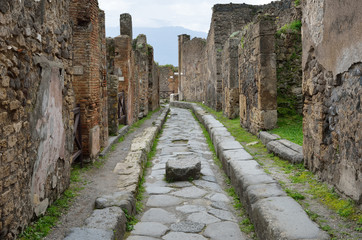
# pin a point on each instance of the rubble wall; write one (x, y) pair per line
(36, 109)
(332, 89)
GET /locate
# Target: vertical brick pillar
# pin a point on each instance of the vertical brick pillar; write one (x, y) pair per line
(181, 40)
(89, 72)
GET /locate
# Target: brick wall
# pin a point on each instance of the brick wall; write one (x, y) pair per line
(332, 89)
(36, 109)
(89, 77)
(168, 81)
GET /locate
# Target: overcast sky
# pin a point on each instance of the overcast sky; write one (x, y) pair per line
(191, 14)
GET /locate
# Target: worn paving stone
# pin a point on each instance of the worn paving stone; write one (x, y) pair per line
(183, 169)
(141, 238)
(89, 234)
(209, 178)
(158, 190)
(218, 197)
(123, 200)
(183, 236)
(187, 227)
(208, 185)
(163, 201)
(151, 229)
(191, 208)
(158, 215)
(222, 214)
(202, 217)
(190, 192)
(180, 184)
(220, 205)
(224, 231)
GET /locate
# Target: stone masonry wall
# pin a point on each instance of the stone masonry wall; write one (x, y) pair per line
(257, 76)
(168, 81)
(153, 82)
(36, 109)
(193, 69)
(226, 19)
(230, 76)
(89, 78)
(332, 89)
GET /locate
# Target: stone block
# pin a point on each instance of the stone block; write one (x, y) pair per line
(227, 145)
(123, 200)
(94, 141)
(283, 218)
(228, 156)
(108, 219)
(266, 137)
(89, 234)
(284, 152)
(183, 169)
(292, 145)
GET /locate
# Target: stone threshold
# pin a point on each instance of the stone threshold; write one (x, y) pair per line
(273, 213)
(283, 148)
(108, 220)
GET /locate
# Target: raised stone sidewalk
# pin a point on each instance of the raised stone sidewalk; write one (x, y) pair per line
(273, 213)
(108, 220)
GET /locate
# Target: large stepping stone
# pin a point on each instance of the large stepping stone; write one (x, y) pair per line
(183, 169)
(224, 230)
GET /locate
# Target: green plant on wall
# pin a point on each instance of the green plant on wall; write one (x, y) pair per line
(294, 26)
(296, 2)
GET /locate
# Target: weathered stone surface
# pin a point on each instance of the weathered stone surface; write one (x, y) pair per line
(182, 236)
(266, 137)
(227, 145)
(112, 219)
(202, 217)
(151, 229)
(224, 230)
(183, 169)
(222, 214)
(190, 192)
(255, 193)
(187, 227)
(284, 152)
(123, 200)
(191, 208)
(229, 156)
(163, 201)
(89, 233)
(157, 190)
(141, 238)
(283, 218)
(158, 215)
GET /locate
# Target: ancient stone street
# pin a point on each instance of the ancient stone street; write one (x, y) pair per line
(194, 209)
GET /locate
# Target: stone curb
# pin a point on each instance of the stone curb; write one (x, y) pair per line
(112, 140)
(282, 147)
(108, 220)
(274, 214)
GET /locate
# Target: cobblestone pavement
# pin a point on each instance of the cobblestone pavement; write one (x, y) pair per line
(198, 209)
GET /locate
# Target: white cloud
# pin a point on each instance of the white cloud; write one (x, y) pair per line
(191, 14)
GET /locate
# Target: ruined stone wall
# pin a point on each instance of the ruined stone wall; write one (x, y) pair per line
(89, 79)
(332, 89)
(289, 72)
(168, 81)
(36, 109)
(193, 69)
(230, 76)
(226, 19)
(257, 76)
(153, 82)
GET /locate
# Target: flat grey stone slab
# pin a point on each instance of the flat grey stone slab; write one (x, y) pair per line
(187, 227)
(209, 178)
(190, 192)
(158, 215)
(191, 208)
(224, 231)
(171, 150)
(141, 238)
(158, 190)
(202, 217)
(266, 137)
(292, 145)
(285, 152)
(208, 185)
(180, 184)
(163, 201)
(112, 218)
(222, 214)
(220, 205)
(218, 197)
(183, 236)
(151, 229)
(183, 169)
(228, 145)
(283, 218)
(123, 200)
(257, 192)
(89, 234)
